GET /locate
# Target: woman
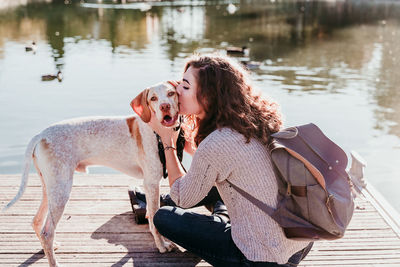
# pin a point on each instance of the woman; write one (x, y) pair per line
(227, 127)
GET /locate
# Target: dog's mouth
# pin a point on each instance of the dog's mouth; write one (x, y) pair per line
(169, 121)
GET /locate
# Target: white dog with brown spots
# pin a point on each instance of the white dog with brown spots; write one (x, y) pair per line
(126, 144)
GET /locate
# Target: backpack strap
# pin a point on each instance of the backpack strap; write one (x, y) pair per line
(261, 205)
(287, 227)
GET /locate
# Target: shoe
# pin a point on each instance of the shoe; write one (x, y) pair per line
(210, 207)
(138, 208)
(220, 210)
(213, 205)
(165, 199)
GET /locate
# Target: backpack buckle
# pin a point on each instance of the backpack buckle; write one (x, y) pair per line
(288, 189)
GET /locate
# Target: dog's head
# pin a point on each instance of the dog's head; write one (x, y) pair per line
(161, 99)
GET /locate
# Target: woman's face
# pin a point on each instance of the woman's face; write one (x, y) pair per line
(187, 91)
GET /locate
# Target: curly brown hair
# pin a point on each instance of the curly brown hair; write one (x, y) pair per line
(228, 99)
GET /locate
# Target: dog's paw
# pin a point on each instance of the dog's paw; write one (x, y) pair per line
(170, 246)
(167, 247)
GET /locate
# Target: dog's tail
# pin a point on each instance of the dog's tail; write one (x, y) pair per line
(27, 166)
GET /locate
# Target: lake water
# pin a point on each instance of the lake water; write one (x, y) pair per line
(334, 63)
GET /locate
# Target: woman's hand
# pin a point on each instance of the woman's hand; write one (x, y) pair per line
(168, 135)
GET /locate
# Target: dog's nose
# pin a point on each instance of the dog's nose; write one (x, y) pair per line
(165, 107)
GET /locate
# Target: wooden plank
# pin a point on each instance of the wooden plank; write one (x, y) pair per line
(99, 207)
(79, 180)
(141, 259)
(368, 234)
(27, 235)
(386, 211)
(92, 242)
(99, 259)
(6, 235)
(364, 262)
(78, 193)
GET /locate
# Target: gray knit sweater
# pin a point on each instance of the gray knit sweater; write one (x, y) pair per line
(223, 155)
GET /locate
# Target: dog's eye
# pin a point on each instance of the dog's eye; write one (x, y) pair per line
(171, 93)
(153, 98)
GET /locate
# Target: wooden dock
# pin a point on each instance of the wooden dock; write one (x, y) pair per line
(98, 229)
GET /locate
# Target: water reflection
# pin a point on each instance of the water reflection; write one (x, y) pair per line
(341, 57)
(271, 30)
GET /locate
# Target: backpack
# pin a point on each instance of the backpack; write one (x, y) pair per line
(314, 200)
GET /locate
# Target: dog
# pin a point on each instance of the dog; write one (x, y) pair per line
(126, 144)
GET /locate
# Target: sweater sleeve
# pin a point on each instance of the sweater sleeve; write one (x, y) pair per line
(204, 171)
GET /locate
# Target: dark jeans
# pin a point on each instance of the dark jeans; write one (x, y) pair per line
(209, 237)
(212, 197)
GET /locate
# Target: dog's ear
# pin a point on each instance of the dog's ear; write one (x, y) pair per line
(140, 106)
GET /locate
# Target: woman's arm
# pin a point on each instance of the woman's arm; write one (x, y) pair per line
(187, 189)
(175, 169)
(168, 138)
(192, 187)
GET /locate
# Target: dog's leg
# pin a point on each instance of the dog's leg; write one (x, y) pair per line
(58, 192)
(37, 222)
(152, 191)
